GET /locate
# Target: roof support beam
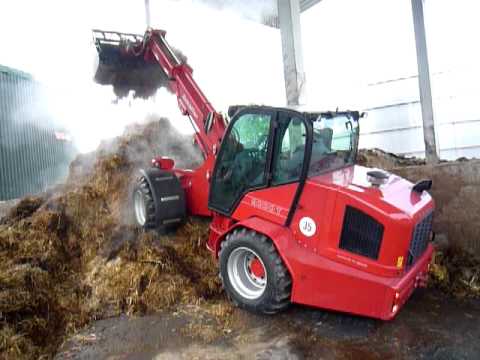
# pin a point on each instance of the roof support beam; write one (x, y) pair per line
(147, 13)
(431, 154)
(307, 4)
(289, 21)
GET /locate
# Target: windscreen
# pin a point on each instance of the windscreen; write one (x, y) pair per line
(335, 142)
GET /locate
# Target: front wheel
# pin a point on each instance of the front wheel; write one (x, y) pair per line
(253, 274)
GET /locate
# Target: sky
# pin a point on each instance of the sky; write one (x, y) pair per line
(348, 44)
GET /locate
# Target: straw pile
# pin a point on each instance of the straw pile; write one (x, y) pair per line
(71, 256)
(457, 273)
(385, 160)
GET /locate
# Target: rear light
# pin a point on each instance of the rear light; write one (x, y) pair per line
(395, 303)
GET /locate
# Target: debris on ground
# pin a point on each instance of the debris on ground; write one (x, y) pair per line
(456, 272)
(72, 256)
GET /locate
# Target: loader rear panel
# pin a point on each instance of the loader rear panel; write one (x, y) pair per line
(321, 282)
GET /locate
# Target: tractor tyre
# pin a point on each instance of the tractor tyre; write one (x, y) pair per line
(253, 274)
(143, 205)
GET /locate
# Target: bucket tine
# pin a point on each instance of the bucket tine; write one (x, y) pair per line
(120, 62)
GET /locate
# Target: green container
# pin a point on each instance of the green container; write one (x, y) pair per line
(33, 154)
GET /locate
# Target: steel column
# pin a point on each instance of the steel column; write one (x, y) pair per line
(289, 21)
(147, 13)
(431, 154)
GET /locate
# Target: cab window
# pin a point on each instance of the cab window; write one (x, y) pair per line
(335, 142)
(241, 165)
(289, 150)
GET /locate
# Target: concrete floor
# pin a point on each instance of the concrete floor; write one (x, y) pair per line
(429, 327)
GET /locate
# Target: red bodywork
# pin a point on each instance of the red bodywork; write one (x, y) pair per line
(193, 103)
(323, 275)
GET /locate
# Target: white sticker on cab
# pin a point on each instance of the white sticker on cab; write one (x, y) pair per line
(307, 226)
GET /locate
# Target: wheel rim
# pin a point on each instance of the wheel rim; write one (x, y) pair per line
(140, 210)
(247, 273)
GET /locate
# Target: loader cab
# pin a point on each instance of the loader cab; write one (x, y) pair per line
(268, 147)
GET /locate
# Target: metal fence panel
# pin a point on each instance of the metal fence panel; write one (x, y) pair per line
(32, 154)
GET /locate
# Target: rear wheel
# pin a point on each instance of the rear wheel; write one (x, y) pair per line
(253, 274)
(143, 205)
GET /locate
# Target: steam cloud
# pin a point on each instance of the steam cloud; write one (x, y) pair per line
(251, 9)
(63, 60)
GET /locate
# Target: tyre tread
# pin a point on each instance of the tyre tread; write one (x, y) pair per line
(276, 300)
(150, 222)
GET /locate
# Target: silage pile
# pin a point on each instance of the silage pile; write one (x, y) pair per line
(71, 256)
(378, 158)
(457, 273)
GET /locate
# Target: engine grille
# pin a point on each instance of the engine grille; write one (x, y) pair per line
(361, 234)
(420, 237)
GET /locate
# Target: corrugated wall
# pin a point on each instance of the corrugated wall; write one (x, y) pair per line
(395, 118)
(32, 157)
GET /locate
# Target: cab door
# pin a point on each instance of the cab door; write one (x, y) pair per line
(286, 176)
(260, 166)
(243, 162)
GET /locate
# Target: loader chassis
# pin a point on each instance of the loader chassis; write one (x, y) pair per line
(293, 218)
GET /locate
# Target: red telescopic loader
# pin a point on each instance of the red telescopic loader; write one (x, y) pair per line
(294, 220)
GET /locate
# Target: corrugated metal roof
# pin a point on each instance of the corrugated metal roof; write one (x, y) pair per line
(14, 72)
(33, 155)
(307, 4)
(272, 19)
(253, 9)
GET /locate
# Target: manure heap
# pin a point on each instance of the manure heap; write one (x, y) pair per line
(71, 256)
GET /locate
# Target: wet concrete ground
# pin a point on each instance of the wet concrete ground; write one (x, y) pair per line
(429, 327)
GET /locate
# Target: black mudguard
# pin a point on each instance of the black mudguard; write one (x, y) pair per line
(168, 197)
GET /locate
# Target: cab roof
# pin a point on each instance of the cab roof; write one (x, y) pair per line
(313, 115)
